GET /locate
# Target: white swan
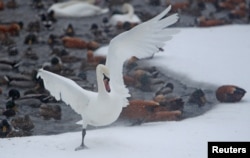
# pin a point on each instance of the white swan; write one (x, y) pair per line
(128, 16)
(76, 8)
(104, 107)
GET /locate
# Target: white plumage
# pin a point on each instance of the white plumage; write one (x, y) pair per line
(128, 16)
(104, 107)
(76, 8)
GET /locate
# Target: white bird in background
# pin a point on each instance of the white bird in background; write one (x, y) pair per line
(104, 107)
(128, 16)
(77, 8)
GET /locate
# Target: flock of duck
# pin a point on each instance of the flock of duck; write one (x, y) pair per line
(49, 40)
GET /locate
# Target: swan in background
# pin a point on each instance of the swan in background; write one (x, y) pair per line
(128, 16)
(104, 107)
(76, 8)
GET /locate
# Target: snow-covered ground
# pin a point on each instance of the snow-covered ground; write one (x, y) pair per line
(218, 55)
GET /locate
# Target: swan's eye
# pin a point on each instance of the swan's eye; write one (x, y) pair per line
(105, 77)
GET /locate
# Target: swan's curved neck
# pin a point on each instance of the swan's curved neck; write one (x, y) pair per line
(130, 10)
(100, 83)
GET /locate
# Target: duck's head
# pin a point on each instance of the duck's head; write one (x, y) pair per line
(103, 73)
(198, 97)
(70, 30)
(55, 61)
(14, 94)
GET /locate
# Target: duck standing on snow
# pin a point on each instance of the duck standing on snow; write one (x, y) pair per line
(104, 107)
(230, 93)
(76, 8)
(128, 16)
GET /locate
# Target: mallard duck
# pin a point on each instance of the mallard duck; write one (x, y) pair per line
(167, 88)
(138, 110)
(64, 56)
(171, 101)
(92, 45)
(10, 106)
(55, 65)
(23, 123)
(11, 28)
(10, 110)
(230, 93)
(5, 128)
(8, 64)
(74, 42)
(95, 30)
(50, 111)
(69, 31)
(31, 38)
(33, 26)
(198, 97)
(53, 40)
(77, 8)
(22, 83)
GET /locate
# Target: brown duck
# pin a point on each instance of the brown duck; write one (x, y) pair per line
(229, 93)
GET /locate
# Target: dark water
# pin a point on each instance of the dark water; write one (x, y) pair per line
(26, 13)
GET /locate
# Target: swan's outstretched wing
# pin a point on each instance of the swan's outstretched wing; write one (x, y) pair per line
(142, 41)
(66, 90)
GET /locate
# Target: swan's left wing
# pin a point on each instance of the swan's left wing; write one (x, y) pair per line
(66, 90)
(142, 41)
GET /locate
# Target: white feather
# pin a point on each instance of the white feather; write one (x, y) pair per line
(76, 8)
(142, 41)
(102, 107)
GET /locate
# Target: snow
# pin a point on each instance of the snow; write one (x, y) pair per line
(217, 55)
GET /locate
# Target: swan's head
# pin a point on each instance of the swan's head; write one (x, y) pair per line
(103, 72)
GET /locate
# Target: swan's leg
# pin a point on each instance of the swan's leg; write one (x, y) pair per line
(82, 146)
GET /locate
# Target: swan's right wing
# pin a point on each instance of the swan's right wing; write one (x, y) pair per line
(66, 90)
